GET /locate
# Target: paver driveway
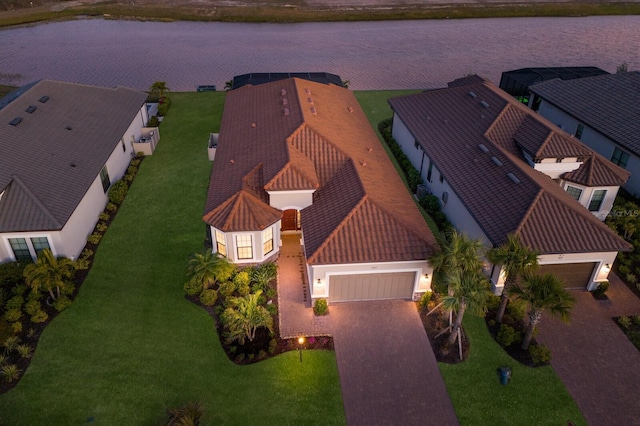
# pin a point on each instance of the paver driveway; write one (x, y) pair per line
(388, 373)
(594, 359)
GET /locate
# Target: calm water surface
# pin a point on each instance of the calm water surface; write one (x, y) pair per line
(371, 55)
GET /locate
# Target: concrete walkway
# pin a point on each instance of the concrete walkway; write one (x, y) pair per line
(593, 357)
(388, 373)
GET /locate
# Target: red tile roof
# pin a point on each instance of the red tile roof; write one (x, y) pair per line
(451, 123)
(318, 138)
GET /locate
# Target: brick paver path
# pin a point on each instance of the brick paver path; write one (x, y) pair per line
(388, 373)
(594, 359)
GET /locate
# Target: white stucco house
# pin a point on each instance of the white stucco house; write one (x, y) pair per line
(62, 146)
(498, 168)
(295, 156)
(602, 112)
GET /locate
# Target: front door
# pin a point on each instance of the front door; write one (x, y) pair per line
(290, 220)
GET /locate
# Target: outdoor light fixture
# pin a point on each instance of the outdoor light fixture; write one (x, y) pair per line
(607, 266)
(319, 282)
(300, 342)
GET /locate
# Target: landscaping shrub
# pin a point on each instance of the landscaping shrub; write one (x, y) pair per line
(10, 344)
(321, 307)
(540, 354)
(25, 351)
(118, 191)
(13, 315)
(101, 227)
(244, 289)
(634, 337)
(38, 317)
(32, 306)
(273, 343)
(273, 309)
(111, 207)
(411, 174)
(61, 303)
(425, 299)
(241, 278)
(19, 289)
(601, 289)
(271, 293)
(11, 274)
(153, 122)
(16, 327)
(104, 216)
(192, 287)
(632, 278)
(163, 108)
(624, 321)
(82, 264)
(94, 238)
(636, 320)
(507, 335)
(15, 302)
(227, 288)
(493, 302)
(208, 297)
(10, 372)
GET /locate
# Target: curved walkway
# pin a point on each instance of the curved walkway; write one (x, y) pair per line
(594, 359)
(388, 373)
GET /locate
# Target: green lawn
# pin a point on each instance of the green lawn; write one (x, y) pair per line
(131, 346)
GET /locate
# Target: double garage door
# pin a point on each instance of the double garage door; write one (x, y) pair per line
(396, 285)
(574, 275)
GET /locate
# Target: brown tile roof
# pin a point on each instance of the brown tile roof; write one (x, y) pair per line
(361, 211)
(598, 171)
(49, 160)
(451, 123)
(244, 211)
(607, 103)
(542, 141)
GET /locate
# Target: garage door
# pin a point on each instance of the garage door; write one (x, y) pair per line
(397, 285)
(574, 275)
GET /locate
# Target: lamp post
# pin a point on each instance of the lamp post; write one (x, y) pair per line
(300, 343)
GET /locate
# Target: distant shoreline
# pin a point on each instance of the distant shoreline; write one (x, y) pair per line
(276, 12)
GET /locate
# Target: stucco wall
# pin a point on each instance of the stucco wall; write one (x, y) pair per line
(256, 242)
(285, 200)
(602, 258)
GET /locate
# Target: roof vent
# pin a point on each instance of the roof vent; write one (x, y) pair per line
(307, 91)
(484, 104)
(285, 101)
(364, 163)
(31, 109)
(283, 92)
(313, 111)
(286, 111)
(43, 99)
(16, 121)
(350, 109)
(483, 147)
(473, 94)
(309, 100)
(68, 127)
(513, 178)
(495, 160)
(253, 125)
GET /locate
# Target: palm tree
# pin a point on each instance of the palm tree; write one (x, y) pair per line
(209, 268)
(458, 254)
(187, 415)
(542, 293)
(516, 259)
(244, 316)
(49, 272)
(467, 292)
(159, 88)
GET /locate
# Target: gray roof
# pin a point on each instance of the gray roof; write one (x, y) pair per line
(505, 195)
(50, 159)
(609, 104)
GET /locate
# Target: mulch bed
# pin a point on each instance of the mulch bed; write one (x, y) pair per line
(433, 325)
(31, 333)
(265, 345)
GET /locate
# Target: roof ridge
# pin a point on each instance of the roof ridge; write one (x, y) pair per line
(532, 206)
(35, 200)
(495, 122)
(335, 231)
(546, 141)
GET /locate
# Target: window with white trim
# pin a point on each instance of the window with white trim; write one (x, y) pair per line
(267, 240)
(620, 158)
(20, 249)
(221, 246)
(576, 193)
(39, 244)
(597, 199)
(244, 247)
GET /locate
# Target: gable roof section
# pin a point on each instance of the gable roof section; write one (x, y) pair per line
(542, 141)
(597, 171)
(22, 210)
(451, 123)
(59, 148)
(322, 141)
(606, 103)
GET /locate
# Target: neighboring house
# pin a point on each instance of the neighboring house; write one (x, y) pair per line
(295, 156)
(498, 168)
(603, 112)
(62, 146)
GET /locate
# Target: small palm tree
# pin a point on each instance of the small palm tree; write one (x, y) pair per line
(159, 88)
(244, 316)
(209, 268)
(467, 292)
(516, 259)
(49, 272)
(188, 415)
(458, 254)
(542, 293)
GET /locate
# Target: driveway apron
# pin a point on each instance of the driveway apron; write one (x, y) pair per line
(388, 373)
(594, 359)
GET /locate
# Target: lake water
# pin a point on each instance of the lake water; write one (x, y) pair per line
(371, 55)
